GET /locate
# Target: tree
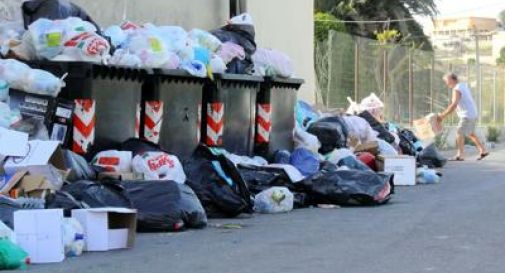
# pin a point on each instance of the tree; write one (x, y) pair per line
(324, 22)
(501, 16)
(382, 10)
(501, 59)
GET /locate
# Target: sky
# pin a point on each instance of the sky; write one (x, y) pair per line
(458, 8)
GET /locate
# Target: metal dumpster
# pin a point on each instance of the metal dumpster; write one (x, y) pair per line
(229, 107)
(275, 119)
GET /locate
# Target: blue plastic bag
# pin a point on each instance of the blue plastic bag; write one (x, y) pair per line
(305, 161)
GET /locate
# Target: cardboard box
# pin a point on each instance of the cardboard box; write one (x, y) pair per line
(107, 228)
(403, 168)
(45, 158)
(370, 147)
(428, 127)
(12, 182)
(56, 113)
(39, 233)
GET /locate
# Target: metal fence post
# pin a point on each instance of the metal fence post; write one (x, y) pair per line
(494, 97)
(356, 70)
(385, 82)
(411, 89)
(432, 80)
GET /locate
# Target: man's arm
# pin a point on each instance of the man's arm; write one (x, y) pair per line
(456, 97)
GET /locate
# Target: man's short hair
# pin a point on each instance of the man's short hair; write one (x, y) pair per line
(451, 76)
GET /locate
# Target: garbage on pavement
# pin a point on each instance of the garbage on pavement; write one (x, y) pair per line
(107, 195)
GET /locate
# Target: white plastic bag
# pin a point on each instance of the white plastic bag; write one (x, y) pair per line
(159, 166)
(73, 237)
(306, 140)
(337, 155)
(386, 149)
(360, 128)
(374, 105)
(270, 62)
(123, 57)
(274, 200)
(114, 161)
(117, 35)
(205, 39)
(87, 47)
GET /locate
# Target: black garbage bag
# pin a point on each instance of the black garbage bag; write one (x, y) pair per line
(164, 206)
(139, 146)
(243, 35)
(218, 184)
(95, 195)
(81, 170)
(349, 188)
(7, 208)
(53, 10)
(64, 200)
(431, 157)
(260, 178)
(384, 134)
(331, 135)
(407, 142)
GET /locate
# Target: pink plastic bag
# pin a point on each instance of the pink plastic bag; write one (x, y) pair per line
(230, 51)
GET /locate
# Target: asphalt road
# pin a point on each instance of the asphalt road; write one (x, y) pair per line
(456, 226)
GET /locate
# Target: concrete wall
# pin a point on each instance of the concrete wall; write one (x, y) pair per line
(286, 25)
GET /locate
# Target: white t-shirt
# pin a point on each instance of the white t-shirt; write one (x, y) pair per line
(466, 107)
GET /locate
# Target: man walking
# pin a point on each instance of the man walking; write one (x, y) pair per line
(466, 109)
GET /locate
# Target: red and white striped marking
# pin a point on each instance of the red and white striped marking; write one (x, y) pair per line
(264, 123)
(215, 124)
(153, 121)
(199, 124)
(84, 120)
(137, 121)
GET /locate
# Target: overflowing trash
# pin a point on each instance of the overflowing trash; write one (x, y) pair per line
(84, 201)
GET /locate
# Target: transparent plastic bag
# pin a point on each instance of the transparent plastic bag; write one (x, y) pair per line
(195, 68)
(274, 200)
(123, 57)
(205, 39)
(230, 51)
(373, 105)
(217, 65)
(117, 35)
(20, 76)
(4, 91)
(306, 140)
(270, 62)
(7, 116)
(73, 237)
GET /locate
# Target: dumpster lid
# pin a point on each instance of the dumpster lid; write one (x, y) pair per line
(177, 75)
(292, 83)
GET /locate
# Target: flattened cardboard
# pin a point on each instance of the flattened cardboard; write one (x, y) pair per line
(44, 158)
(13, 182)
(13, 143)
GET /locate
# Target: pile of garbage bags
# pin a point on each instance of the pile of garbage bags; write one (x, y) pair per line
(56, 31)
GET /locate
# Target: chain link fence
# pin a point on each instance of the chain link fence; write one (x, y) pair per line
(409, 81)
